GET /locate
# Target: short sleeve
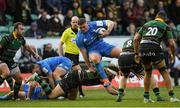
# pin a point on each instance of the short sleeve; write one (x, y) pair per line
(64, 36)
(79, 41)
(4, 41)
(169, 33)
(45, 68)
(140, 31)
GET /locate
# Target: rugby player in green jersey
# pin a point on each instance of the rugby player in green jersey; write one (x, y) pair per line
(9, 45)
(147, 48)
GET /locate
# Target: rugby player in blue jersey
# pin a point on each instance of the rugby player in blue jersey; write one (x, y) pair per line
(54, 68)
(93, 47)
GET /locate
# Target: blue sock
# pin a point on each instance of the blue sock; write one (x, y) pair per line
(100, 70)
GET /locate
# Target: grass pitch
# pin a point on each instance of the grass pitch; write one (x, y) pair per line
(99, 98)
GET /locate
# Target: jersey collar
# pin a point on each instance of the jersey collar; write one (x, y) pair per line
(159, 19)
(14, 35)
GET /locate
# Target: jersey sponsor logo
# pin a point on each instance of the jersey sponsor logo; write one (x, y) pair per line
(99, 23)
(73, 40)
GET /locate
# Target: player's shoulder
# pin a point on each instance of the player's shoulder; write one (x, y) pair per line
(68, 30)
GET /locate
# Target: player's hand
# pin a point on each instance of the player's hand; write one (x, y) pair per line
(92, 69)
(137, 58)
(38, 57)
(105, 33)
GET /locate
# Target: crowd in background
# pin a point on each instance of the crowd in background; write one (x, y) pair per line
(49, 18)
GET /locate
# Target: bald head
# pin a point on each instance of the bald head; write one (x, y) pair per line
(74, 22)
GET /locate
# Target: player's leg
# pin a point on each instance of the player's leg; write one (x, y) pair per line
(147, 83)
(16, 74)
(155, 88)
(56, 92)
(96, 59)
(58, 73)
(115, 52)
(4, 72)
(162, 69)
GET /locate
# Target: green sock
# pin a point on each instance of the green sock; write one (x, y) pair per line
(156, 91)
(10, 82)
(171, 93)
(120, 92)
(146, 95)
(17, 87)
(47, 89)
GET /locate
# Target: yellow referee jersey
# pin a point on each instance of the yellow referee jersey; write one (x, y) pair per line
(68, 37)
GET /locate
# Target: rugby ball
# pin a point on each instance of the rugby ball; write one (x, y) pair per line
(100, 31)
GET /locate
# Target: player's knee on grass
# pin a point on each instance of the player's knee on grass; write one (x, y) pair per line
(4, 70)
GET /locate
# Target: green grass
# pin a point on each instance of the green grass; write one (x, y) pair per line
(99, 98)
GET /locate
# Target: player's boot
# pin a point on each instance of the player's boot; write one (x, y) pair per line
(159, 98)
(148, 100)
(81, 95)
(174, 99)
(32, 77)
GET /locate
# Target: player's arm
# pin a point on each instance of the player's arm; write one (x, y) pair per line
(172, 44)
(110, 25)
(51, 80)
(3, 42)
(60, 48)
(137, 39)
(87, 62)
(30, 49)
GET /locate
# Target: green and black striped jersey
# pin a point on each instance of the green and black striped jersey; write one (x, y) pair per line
(155, 30)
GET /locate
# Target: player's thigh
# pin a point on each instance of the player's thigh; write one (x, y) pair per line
(95, 57)
(16, 74)
(115, 52)
(56, 92)
(4, 69)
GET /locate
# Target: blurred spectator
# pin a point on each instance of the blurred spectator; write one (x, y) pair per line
(151, 3)
(54, 4)
(138, 11)
(174, 12)
(100, 11)
(23, 13)
(55, 26)
(77, 9)
(35, 6)
(67, 18)
(43, 22)
(175, 71)
(152, 13)
(48, 51)
(11, 7)
(146, 17)
(173, 28)
(26, 60)
(33, 31)
(2, 12)
(131, 29)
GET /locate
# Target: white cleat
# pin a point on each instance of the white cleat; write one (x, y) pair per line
(32, 77)
(148, 100)
(174, 99)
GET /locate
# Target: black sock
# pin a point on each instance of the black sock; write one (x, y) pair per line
(47, 89)
(171, 93)
(17, 87)
(156, 91)
(10, 82)
(1, 80)
(146, 95)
